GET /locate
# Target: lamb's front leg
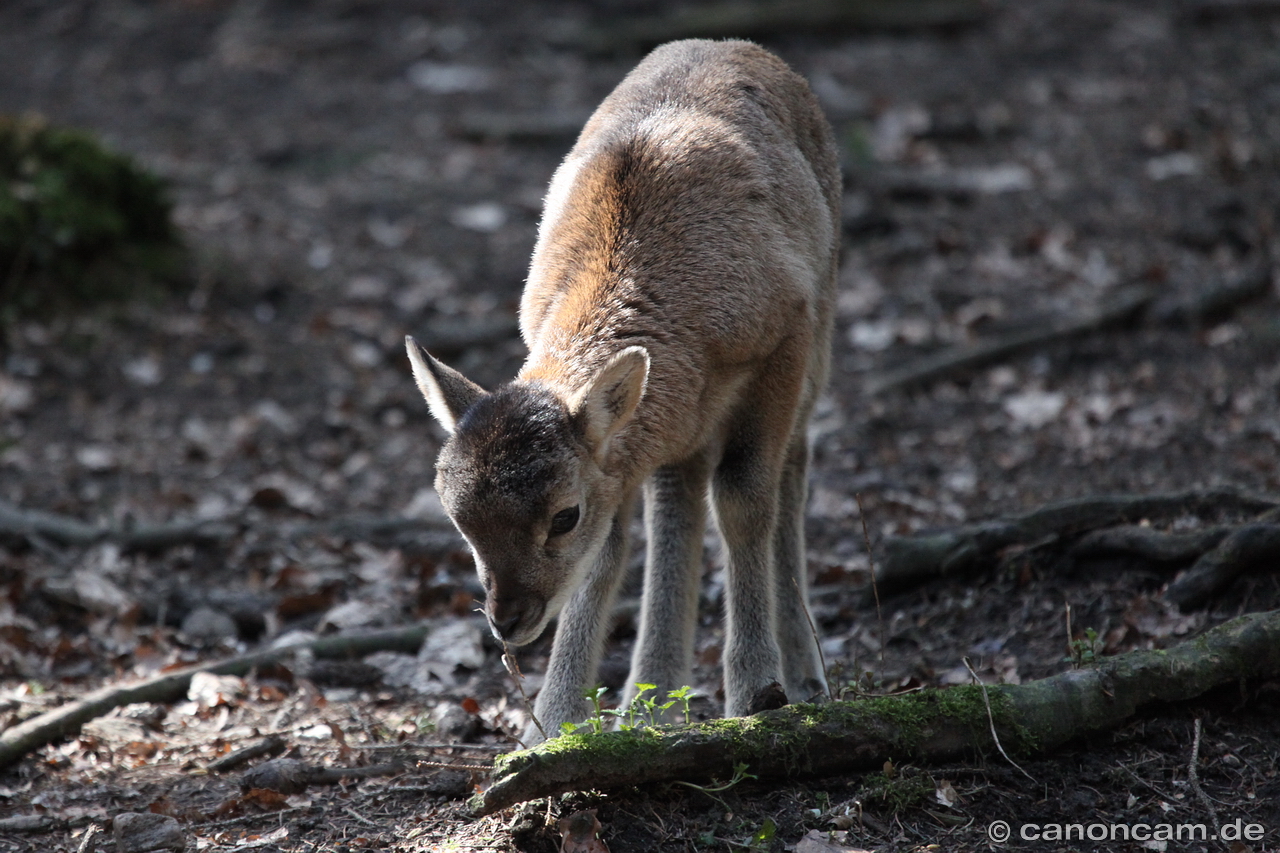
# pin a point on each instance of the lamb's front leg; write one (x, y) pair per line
(675, 509)
(580, 636)
(746, 503)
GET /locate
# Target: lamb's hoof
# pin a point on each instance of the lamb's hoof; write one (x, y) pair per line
(767, 698)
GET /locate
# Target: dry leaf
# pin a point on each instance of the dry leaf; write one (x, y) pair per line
(578, 833)
(816, 841)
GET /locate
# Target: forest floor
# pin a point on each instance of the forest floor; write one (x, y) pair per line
(350, 171)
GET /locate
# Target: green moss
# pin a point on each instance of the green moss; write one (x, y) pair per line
(78, 224)
(622, 746)
(784, 734)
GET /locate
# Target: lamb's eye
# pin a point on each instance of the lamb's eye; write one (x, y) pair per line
(564, 521)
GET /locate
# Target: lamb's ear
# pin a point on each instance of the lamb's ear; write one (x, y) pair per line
(605, 404)
(448, 392)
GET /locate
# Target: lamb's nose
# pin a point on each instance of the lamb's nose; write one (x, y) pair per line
(504, 617)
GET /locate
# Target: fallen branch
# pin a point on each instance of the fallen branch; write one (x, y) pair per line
(1213, 301)
(32, 823)
(952, 360)
(16, 522)
(930, 727)
(293, 776)
(769, 17)
(29, 735)
(33, 525)
(956, 183)
(429, 534)
(907, 559)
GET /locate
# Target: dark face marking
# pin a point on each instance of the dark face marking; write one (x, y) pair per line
(508, 450)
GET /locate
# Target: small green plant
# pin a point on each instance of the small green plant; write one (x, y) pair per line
(642, 710)
(683, 695)
(78, 223)
(759, 840)
(1085, 650)
(596, 720)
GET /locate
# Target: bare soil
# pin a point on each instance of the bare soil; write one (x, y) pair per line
(337, 172)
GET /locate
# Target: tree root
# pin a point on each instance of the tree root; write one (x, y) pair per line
(1249, 546)
(930, 726)
(908, 559)
(29, 735)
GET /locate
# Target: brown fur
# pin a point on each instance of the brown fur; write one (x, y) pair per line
(678, 318)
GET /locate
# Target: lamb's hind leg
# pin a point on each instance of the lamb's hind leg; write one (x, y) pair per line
(801, 662)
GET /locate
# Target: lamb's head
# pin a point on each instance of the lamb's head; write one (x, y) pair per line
(526, 477)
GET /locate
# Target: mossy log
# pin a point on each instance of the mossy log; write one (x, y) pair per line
(930, 726)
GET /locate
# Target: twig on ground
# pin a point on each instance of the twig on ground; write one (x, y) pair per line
(986, 700)
(18, 740)
(513, 669)
(32, 524)
(359, 818)
(505, 126)
(292, 776)
(813, 631)
(272, 745)
(1193, 779)
(1215, 300)
(211, 825)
